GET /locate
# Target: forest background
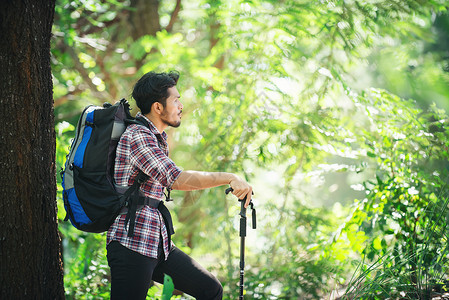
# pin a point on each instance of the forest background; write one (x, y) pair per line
(335, 111)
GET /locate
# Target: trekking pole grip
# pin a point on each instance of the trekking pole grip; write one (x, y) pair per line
(253, 210)
(228, 190)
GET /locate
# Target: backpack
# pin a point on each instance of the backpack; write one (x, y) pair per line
(91, 199)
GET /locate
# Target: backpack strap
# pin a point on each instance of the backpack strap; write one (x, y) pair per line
(142, 121)
(167, 220)
(132, 198)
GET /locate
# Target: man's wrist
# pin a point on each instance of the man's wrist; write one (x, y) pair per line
(232, 177)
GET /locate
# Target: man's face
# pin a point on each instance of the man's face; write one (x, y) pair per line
(172, 113)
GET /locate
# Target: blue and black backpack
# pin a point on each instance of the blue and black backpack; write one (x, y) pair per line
(91, 199)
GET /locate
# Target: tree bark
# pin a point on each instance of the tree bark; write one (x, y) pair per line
(30, 248)
(144, 19)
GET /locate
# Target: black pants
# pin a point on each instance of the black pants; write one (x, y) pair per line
(132, 272)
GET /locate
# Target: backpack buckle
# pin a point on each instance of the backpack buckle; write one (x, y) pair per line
(167, 196)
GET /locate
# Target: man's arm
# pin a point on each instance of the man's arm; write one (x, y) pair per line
(196, 180)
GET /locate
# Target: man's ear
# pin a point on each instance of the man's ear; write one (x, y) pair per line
(157, 107)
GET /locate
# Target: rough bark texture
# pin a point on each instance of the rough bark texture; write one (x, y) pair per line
(30, 260)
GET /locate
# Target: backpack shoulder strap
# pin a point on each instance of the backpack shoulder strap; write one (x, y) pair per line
(142, 121)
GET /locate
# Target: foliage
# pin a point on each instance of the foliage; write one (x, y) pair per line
(279, 92)
(89, 272)
(293, 268)
(420, 274)
(403, 218)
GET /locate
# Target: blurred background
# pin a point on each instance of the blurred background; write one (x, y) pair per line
(335, 112)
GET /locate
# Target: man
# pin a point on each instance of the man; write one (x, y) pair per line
(149, 253)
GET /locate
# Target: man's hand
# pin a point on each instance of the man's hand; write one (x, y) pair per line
(241, 189)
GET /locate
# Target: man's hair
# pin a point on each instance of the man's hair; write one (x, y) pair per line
(153, 87)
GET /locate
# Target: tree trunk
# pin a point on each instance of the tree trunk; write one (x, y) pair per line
(145, 19)
(30, 249)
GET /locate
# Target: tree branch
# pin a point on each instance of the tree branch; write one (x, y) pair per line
(95, 29)
(174, 16)
(108, 80)
(82, 71)
(63, 99)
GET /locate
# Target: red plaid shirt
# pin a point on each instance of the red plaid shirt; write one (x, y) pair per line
(146, 149)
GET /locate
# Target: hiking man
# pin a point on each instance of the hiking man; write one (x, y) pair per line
(149, 253)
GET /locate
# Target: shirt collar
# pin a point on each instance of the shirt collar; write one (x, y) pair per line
(152, 128)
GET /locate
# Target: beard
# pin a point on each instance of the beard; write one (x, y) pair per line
(174, 123)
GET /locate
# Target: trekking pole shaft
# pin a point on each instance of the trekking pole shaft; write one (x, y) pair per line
(242, 237)
(243, 221)
(242, 265)
(242, 245)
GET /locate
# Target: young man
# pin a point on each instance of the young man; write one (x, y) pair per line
(149, 253)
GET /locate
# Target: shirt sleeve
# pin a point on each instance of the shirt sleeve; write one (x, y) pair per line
(148, 157)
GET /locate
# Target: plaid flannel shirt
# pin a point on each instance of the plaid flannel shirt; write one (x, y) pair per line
(146, 149)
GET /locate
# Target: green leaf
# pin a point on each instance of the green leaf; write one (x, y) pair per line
(168, 289)
(370, 154)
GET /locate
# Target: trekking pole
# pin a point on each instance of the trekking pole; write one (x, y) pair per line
(243, 235)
